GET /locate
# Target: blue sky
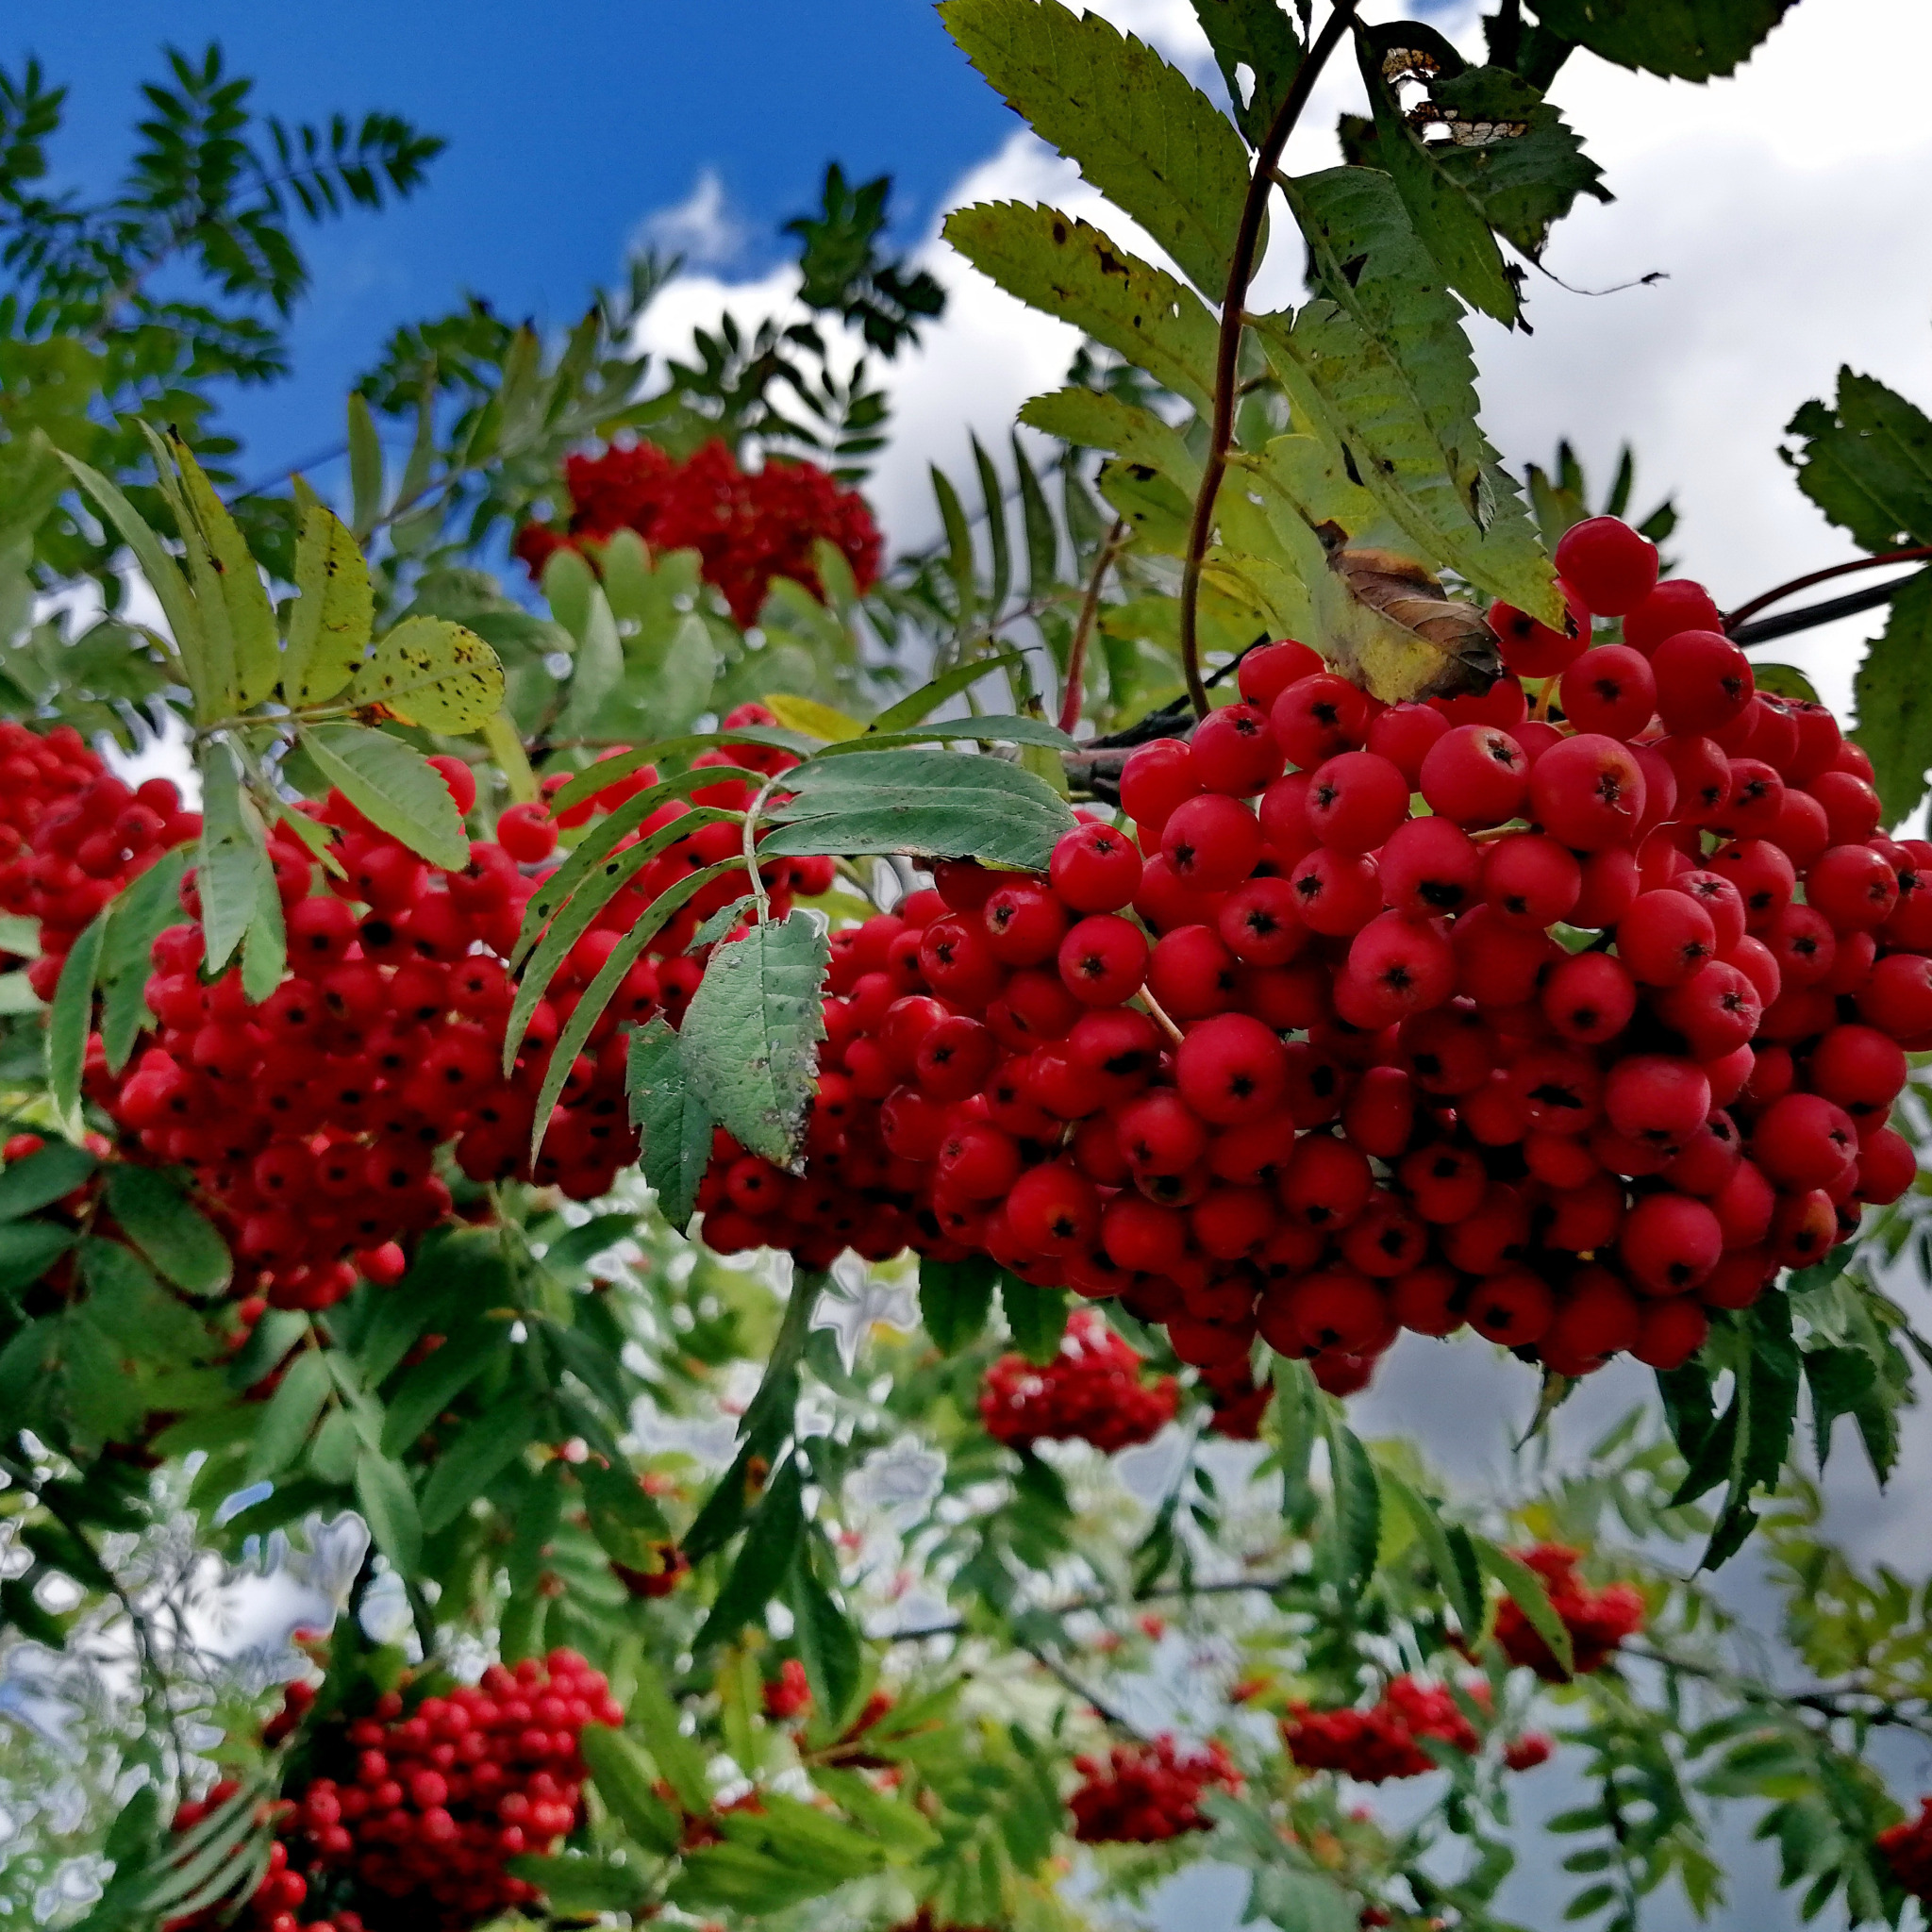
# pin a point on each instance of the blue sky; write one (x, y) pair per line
(566, 127)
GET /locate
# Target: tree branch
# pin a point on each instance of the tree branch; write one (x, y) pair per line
(1240, 273)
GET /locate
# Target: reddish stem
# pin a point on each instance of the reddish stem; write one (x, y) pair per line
(1745, 611)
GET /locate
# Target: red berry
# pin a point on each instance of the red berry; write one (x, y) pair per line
(1612, 566)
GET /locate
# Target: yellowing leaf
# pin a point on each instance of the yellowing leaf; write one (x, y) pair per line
(328, 630)
(234, 578)
(810, 716)
(1402, 639)
(435, 674)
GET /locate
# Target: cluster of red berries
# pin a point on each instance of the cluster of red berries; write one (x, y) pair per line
(72, 835)
(1598, 1621)
(412, 1813)
(312, 1120)
(1907, 1847)
(1600, 1039)
(1379, 1743)
(1091, 1391)
(789, 1695)
(748, 526)
(1141, 1795)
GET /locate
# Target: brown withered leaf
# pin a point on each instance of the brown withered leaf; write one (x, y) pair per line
(1402, 639)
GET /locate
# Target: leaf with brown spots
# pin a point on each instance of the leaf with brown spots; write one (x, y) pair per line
(432, 673)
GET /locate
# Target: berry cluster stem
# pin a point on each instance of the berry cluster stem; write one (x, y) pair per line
(1074, 693)
(1240, 273)
(751, 857)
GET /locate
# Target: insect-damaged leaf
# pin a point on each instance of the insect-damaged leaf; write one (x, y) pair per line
(435, 674)
(329, 628)
(749, 1042)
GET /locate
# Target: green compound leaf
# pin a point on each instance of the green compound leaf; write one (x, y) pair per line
(470, 1463)
(1139, 129)
(1450, 1554)
(1526, 1590)
(749, 1042)
(674, 1124)
(956, 1298)
(772, 1540)
(1525, 183)
(233, 857)
(1037, 1316)
(597, 847)
(586, 897)
(1067, 269)
(938, 805)
(235, 580)
(170, 1230)
(394, 787)
(1362, 403)
(1866, 462)
(603, 989)
(164, 577)
(625, 1783)
(43, 1177)
(1894, 703)
(1447, 218)
(1354, 1530)
(1098, 420)
(1687, 40)
(329, 628)
(149, 905)
(435, 674)
(386, 1499)
(69, 1021)
(1255, 34)
(827, 1641)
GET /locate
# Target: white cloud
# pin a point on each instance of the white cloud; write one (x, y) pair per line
(701, 228)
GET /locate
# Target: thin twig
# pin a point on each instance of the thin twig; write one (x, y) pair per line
(1233, 309)
(1105, 1712)
(1074, 693)
(1233, 1585)
(1830, 1701)
(1778, 592)
(751, 857)
(1761, 630)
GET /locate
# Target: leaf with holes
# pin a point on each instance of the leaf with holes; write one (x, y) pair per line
(749, 1042)
(1258, 35)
